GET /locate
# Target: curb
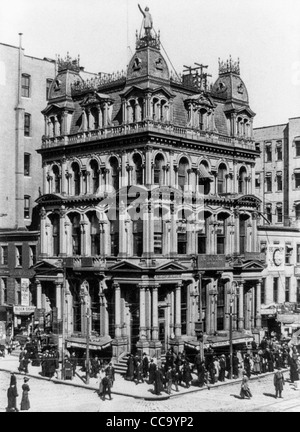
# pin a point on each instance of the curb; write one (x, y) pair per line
(146, 398)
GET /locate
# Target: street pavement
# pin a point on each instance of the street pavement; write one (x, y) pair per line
(55, 395)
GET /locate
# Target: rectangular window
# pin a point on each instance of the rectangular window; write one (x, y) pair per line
(27, 124)
(26, 164)
(287, 289)
(268, 184)
(275, 289)
(243, 236)
(268, 153)
(298, 291)
(279, 182)
(297, 146)
(298, 253)
(4, 291)
(279, 214)
(18, 290)
(114, 237)
(26, 207)
(220, 306)
(25, 83)
(257, 180)
(269, 214)
(18, 256)
(48, 85)
(257, 146)
(288, 253)
(181, 243)
(221, 237)
(158, 229)
(137, 231)
(4, 255)
(297, 180)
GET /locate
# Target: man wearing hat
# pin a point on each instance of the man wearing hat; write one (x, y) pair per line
(278, 382)
(12, 394)
(25, 405)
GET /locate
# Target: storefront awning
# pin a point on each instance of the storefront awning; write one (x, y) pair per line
(94, 344)
(24, 310)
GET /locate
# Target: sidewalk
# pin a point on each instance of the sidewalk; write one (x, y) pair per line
(121, 387)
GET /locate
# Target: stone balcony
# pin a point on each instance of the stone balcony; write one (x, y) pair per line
(148, 126)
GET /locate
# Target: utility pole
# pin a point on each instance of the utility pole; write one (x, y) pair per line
(63, 321)
(87, 346)
(230, 337)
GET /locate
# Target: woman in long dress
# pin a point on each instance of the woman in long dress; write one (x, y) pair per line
(245, 390)
(12, 394)
(25, 404)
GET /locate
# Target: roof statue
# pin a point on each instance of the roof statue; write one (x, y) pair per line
(147, 21)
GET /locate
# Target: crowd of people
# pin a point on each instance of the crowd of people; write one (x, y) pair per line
(178, 369)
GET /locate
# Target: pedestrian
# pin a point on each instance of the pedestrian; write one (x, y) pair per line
(73, 360)
(101, 375)
(294, 375)
(186, 374)
(145, 363)
(110, 372)
(256, 366)
(201, 374)
(12, 394)
(152, 369)
(130, 369)
(245, 390)
(235, 366)
(278, 382)
(138, 372)
(158, 381)
(222, 369)
(174, 372)
(169, 379)
(106, 389)
(25, 404)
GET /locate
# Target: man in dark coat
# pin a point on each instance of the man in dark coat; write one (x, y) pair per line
(152, 369)
(158, 381)
(110, 373)
(201, 374)
(130, 368)
(235, 366)
(106, 387)
(145, 362)
(222, 368)
(169, 358)
(174, 373)
(278, 382)
(186, 374)
(73, 361)
(138, 372)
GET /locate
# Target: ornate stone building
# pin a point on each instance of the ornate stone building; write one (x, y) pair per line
(149, 213)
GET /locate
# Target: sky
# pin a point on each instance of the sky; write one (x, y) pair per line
(263, 34)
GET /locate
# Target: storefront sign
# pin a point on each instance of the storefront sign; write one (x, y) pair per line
(23, 310)
(235, 341)
(211, 261)
(25, 292)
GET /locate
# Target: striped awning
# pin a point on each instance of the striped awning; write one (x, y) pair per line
(204, 174)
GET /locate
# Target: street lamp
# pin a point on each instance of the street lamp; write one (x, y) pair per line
(83, 296)
(232, 296)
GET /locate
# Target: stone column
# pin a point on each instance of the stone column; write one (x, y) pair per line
(58, 291)
(241, 306)
(148, 312)
(142, 334)
(38, 294)
(252, 316)
(44, 246)
(237, 231)
(173, 231)
(62, 233)
(178, 311)
(155, 313)
(258, 304)
(117, 290)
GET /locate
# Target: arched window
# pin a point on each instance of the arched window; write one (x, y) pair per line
(114, 236)
(138, 170)
(76, 178)
(131, 111)
(158, 231)
(158, 169)
(137, 232)
(221, 233)
(204, 178)
(114, 166)
(242, 181)
(182, 172)
(202, 119)
(95, 176)
(222, 187)
(55, 234)
(155, 109)
(164, 115)
(95, 234)
(76, 234)
(56, 179)
(203, 233)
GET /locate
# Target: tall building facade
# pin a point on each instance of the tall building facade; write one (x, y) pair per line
(24, 83)
(277, 184)
(148, 212)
